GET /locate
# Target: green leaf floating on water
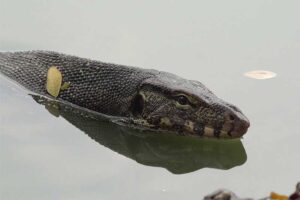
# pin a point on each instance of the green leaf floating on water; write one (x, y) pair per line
(54, 80)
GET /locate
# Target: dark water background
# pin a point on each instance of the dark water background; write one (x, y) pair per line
(215, 42)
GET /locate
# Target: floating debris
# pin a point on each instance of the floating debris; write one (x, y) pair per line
(260, 74)
(54, 80)
(277, 196)
(224, 194)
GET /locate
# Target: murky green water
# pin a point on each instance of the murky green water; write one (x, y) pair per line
(47, 157)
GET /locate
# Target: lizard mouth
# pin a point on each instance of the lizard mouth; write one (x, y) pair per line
(236, 131)
(232, 128)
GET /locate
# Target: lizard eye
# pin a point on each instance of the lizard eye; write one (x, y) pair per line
(182, 100)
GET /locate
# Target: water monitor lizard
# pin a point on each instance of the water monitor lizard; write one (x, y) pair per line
(149, 98)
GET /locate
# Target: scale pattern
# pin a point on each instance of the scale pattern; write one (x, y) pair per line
(102, 87)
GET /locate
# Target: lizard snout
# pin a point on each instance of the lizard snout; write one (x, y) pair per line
(238, 123)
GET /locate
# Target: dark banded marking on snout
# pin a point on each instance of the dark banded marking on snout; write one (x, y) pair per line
(198, 129)
(192, 128)
(217, 133)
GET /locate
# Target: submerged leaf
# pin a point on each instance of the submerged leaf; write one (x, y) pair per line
(54, 79)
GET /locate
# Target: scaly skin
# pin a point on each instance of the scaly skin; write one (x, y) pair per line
(150, 98)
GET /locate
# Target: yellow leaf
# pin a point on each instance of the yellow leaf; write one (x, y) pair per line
(54, 79)
(274, 195)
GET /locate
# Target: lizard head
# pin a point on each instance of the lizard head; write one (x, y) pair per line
(169, 102)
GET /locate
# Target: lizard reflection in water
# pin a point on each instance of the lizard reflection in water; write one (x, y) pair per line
(177, 154)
